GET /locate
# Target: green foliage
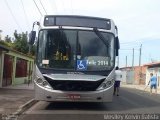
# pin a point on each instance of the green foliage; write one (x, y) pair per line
(20, 43)
(33, 49)
(2, 42)
(8, 39)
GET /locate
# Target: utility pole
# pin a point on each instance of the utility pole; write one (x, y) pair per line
(126, 61)
(140, 50)
(133, 59)
(140, 71)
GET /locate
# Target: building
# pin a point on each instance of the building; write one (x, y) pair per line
(134, 75)
(15, 67)
(155, 69)
(140, 75)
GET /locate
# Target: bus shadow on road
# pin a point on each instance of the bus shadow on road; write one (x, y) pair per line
(127, 101)
(75, 106)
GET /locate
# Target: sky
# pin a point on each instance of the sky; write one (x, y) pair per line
(137, 21)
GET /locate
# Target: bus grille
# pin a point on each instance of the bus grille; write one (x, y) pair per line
(71, 85)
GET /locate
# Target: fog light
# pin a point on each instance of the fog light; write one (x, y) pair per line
(99, 98)
(48, 97)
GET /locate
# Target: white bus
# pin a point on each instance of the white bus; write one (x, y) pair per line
(75, 58)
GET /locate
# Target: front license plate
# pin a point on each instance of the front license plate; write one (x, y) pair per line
(74, 97)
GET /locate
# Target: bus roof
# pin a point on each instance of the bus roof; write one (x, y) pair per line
(76, 21)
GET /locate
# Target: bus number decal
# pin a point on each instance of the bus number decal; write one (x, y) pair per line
(102, 63)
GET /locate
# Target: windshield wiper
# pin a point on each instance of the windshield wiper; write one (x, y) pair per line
(102, 38)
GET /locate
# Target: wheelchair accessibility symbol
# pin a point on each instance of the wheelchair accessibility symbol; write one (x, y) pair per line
(81, 65)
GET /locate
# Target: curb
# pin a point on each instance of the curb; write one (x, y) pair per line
(21, 109)
(25, 106)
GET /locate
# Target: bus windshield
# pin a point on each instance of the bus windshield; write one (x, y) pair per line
(79, 50)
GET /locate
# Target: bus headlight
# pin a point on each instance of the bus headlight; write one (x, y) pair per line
(39, 81)
(42, 82)
(45, 83)
(106, 84)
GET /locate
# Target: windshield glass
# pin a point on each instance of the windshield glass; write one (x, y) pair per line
(75, 49)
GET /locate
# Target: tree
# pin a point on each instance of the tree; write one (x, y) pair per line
(7, 39)
(21, 42)
(33, 49)
(0, 34)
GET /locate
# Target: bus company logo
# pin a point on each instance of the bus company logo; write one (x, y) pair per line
(81, 64)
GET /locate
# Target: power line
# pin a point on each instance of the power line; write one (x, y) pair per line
(25, 13)
(43, 7)
(12, 15)
(128, 42)
(131, 44)
(37, 8)
(129, 49)
(127, 46)
(140, 41)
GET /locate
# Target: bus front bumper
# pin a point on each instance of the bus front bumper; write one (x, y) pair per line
(45, 94)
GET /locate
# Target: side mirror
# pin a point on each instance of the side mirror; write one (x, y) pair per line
(117, 46)
(32, 37)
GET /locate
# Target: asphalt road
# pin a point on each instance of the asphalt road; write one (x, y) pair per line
(131, 104)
